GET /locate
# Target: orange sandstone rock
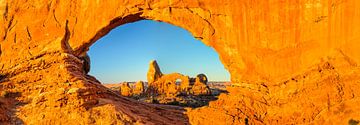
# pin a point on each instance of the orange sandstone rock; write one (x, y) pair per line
(125, 89)
(154, 73)
(165, 84)
(200, 87)
(291, 62)
(185, 84)
(139, 88)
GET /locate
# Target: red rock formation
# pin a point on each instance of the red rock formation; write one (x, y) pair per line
(125, 89)
(201, 78)
(167, 84)
(200, 87)
(290, 62)
(154, 73)
(185, 84)
(139, 88)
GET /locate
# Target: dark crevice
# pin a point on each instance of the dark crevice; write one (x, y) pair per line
(49, 6)
(199, 37)
(210, 25)
(2, 77)
(15, 38)
(28, 33)
(319, 19)
(10, 25)
(65, 41)
(6, 11)
(246, 120)
(57, 21)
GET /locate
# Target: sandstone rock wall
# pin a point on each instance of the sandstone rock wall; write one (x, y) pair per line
(281, 55)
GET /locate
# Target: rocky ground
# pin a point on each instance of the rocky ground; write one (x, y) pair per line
(181, 100)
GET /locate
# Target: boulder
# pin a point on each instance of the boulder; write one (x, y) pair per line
(125, 89)
(139, 88)
(202, 78)
(200, 87)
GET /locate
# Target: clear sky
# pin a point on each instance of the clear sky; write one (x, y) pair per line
(124, 54)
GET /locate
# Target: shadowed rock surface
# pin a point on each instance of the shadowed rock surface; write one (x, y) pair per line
(86, 62)
(291, 62)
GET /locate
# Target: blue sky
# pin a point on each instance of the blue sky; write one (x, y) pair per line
(124, 54)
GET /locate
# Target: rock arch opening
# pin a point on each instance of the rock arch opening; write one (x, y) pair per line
(122, 56)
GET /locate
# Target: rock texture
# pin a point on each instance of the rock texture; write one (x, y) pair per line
(139, 88)
(154, 73)
(125, 89)
(86, 63)
(166, 84)
(291, 62)
(200, 87)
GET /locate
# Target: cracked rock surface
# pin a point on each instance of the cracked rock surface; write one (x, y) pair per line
(290, 61)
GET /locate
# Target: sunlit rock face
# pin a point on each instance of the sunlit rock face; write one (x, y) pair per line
(139, 88)
(290, 61)
(200, 87)
(154, 73)
(125, 89)
(169, 86)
